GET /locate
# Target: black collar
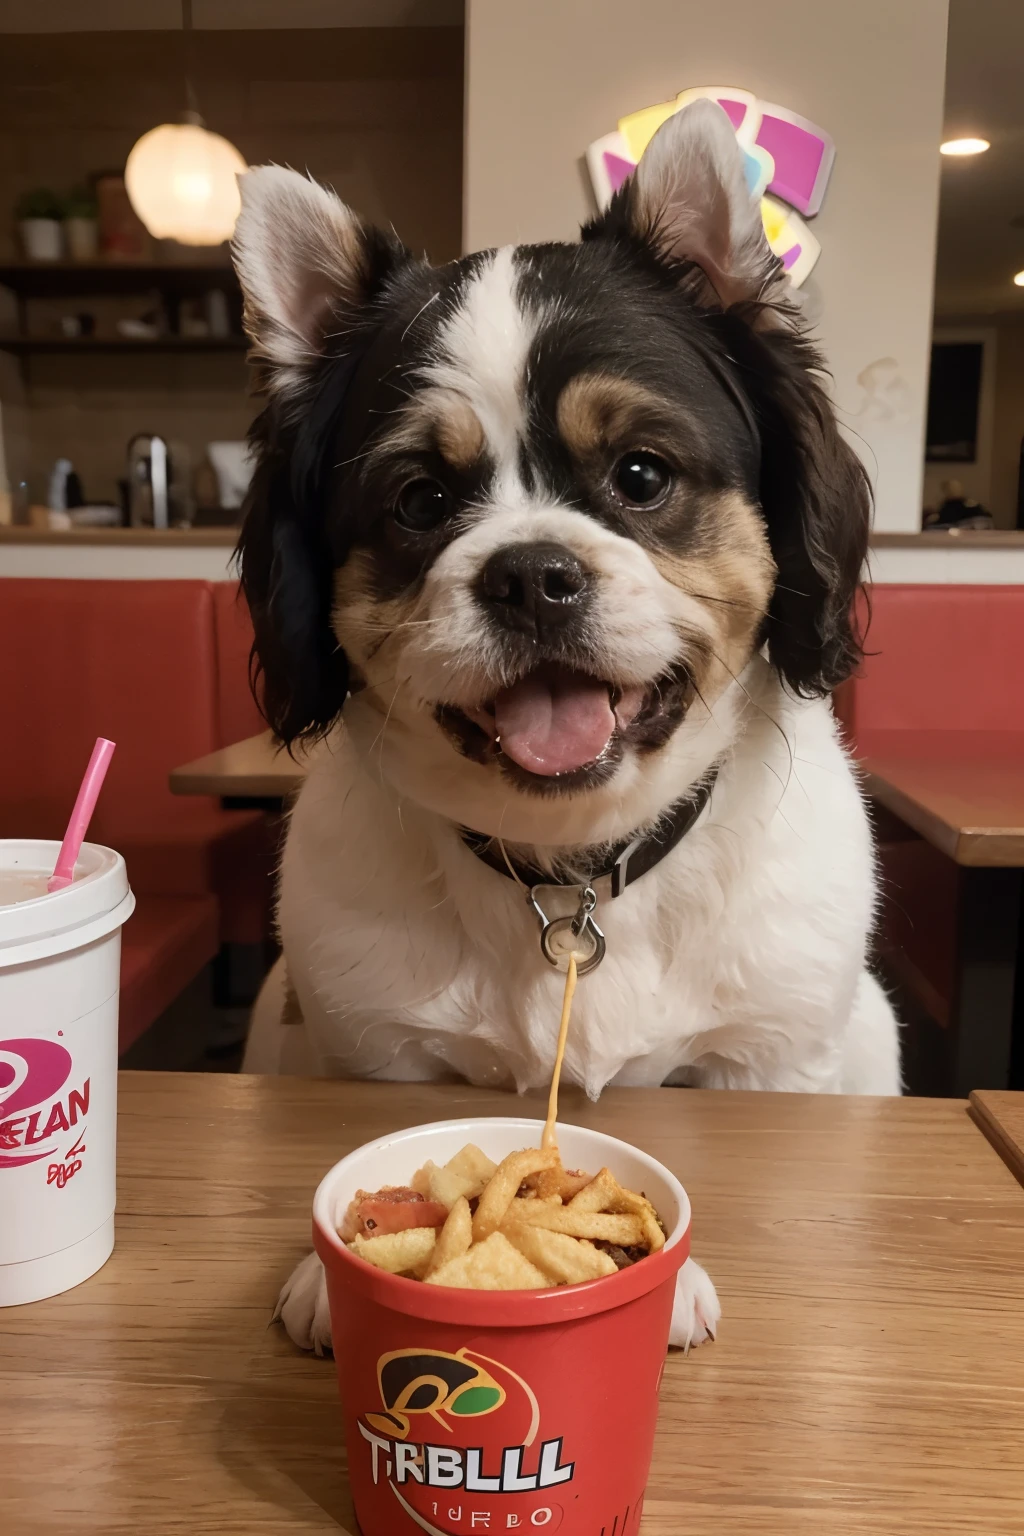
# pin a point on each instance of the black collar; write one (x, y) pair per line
(625, 862)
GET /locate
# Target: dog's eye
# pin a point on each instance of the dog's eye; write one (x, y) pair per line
(641, 478)
(421, 505)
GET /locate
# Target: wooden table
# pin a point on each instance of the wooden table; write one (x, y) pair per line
(1001, 1117)
(256, 771)
(866, 1380)
(963, 791)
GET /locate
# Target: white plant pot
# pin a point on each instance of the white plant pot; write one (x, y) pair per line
(41, 239)
(83, 237)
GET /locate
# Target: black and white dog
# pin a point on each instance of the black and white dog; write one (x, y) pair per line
(571, 534)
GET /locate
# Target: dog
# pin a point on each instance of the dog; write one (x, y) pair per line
(569, 535)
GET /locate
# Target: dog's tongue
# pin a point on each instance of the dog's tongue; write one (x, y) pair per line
(554, 721)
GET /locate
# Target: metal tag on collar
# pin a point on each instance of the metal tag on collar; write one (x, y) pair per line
(559, 936)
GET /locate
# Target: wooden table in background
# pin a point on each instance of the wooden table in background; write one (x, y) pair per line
(256, 771)
(963, 791)
(1001, 1117)
(867, 1377)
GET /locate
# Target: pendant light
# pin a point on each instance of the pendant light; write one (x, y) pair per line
(180, 177)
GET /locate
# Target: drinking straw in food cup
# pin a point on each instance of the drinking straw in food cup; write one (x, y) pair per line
(85, 804)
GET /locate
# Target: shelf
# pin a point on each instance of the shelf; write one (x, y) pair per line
(57, 279)
(968, 538)
(27, 346)
(151, 538)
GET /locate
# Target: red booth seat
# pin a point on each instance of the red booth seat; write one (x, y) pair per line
(237, 715)
(137, 661)
(938, 659)
(166, 941)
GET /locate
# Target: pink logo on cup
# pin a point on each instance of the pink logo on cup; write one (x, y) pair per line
(33, 1072)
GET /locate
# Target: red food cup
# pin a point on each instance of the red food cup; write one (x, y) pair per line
(487, 1411)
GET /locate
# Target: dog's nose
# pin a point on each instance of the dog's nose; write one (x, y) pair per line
(539, 589)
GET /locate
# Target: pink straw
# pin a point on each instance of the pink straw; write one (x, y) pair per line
(78, 826)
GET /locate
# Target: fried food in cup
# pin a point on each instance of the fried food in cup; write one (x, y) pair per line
(592, 1226)
(464, 1175)
(605, 1193)
(560, 1182)
(493, 1265)
(400, 1253)
(522, 1224)
(565, 1260)
(502, 1188)
(473, 1164)
(454, 1239)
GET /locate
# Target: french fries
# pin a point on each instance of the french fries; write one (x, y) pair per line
(456, 1238)
(605, 1193)
(400, 1253)
(565, 1260)
(524, 1224)
(503, 1187)
(493, 1265)
(592, 1226)
(463, 1176)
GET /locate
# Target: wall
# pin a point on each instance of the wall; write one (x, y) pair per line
(375, 112)
(546, 77)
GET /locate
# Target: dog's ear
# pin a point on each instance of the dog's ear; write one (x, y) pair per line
(688, 205)
(816, 502)
(310, 273)
(307, 266)
(689, 202)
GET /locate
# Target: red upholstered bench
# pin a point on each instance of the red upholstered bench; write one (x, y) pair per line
(166, 942)
(938, 658)
(136, 661)
(237, 715)
(243, 881)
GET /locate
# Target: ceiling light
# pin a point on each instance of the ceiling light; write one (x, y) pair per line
(182, 183)
(964, 147)
(181, 178)
(1018, 278)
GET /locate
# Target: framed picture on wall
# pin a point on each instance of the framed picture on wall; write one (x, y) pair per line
(954, 402)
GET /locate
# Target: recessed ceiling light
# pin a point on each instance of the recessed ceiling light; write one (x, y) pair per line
(964, 147)
(1019, 279)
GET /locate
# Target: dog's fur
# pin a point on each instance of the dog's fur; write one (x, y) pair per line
(421, 425)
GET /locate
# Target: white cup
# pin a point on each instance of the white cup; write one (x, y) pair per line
(60, 958)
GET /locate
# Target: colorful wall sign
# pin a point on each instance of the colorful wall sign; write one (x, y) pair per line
(788, 162)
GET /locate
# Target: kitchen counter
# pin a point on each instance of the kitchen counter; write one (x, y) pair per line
(147, 538)
(970, 558)
(973, 539)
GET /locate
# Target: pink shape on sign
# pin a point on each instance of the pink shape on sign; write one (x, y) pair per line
(619, 170)
(800, 158)
(734, 110)
(791, 257)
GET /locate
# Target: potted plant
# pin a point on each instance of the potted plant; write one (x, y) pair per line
(80, 224)
(39, 223)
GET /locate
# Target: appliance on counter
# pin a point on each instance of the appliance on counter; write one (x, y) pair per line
(65, 490)
(233, 465)
(159, 482)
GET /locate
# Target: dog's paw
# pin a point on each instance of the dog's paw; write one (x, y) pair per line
(695, 1312)
(302, 1306)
